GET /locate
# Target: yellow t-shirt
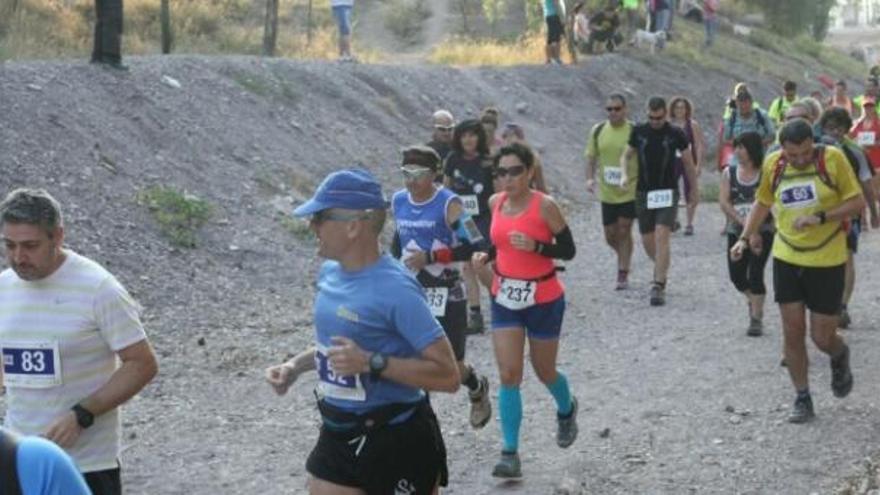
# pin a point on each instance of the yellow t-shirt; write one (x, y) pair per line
(607, 147)
(802, 192)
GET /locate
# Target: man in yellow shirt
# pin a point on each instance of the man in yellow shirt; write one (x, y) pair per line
(605, 143)
(813, 191)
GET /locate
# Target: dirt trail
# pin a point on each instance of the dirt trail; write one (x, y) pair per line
(253, 136)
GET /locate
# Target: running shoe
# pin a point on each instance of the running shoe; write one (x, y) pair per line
(756, 327)
(475, 323)
(481, 406)
(689, 230)
(622, 280)
(508, 466)
(802, 411)
(845, 320)
(567, 427)
(841, 375)
(658, 295)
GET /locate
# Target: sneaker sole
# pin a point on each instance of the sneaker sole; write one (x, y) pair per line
(517, 477)
(801, 420)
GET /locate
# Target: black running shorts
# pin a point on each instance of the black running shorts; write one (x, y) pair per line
(611, 212)
(555, 30)
(454, 323)
(409, 457)
(819, 288)
(649, 219)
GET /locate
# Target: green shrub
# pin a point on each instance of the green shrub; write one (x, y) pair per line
(404, 18)
(179, 215)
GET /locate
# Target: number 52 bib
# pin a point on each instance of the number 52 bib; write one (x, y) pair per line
(31, 364)
(337, 386)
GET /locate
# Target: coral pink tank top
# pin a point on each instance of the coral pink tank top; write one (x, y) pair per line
(524, 265)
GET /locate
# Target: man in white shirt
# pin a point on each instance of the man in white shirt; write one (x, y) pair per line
(64, 320)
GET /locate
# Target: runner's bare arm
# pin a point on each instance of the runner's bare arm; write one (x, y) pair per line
(138, 368)
(699, 144)
(282, 376)
(625, 157)
(870, 199)
(690, 169)
(435, 369)
(592, 166)
(538, 181)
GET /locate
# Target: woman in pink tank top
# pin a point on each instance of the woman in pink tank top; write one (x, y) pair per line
(528, 232)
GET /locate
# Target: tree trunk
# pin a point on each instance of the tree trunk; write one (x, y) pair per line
(165, 20)
(309, 25)
(270, 32)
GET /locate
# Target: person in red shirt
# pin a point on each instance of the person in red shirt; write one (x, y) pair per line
(866, 132)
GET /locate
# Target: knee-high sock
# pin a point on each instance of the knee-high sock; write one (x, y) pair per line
(560, 391)
(510, 404)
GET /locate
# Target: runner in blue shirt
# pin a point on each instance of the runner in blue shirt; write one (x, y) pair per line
(36, 466)
(378, 350)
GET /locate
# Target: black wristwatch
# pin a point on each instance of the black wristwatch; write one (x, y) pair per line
(821, 215)
(378, 363)
(84, 417)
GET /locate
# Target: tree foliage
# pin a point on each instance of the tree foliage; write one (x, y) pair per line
(794, 17)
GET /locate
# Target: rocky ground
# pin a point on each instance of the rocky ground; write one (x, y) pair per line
(674, 400)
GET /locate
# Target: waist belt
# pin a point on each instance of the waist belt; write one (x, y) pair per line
(806, 249)
(542, 278)
(371, 420)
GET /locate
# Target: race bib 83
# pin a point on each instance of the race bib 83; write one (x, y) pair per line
(35, 364)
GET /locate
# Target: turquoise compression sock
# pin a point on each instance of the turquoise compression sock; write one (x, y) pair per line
(560, 391)
(510, 405)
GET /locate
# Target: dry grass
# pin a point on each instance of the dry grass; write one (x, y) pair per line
(464, 51)
(63, 28)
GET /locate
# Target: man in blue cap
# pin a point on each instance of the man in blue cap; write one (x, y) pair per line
(378, 350)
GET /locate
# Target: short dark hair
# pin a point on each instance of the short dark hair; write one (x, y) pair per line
(754, 146)
(619, 97)
(836, 116)
(789, 86)
(475, 126)
(31, 206)
(423, 156)
(841, 83)
(520, 150)
(796, 131)
(744, 95)
(656, 103)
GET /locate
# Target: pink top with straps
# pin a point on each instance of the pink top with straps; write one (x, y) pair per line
(524, 265)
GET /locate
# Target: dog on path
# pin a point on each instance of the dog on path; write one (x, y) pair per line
(652, 41)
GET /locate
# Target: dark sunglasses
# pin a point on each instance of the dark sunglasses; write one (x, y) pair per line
(514, 171)
(613, 109)
(329, 215)
(445, 128)
(656, 118)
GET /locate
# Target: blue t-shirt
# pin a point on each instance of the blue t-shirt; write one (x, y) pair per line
(550, 8)
(383, 309)
(44, 469)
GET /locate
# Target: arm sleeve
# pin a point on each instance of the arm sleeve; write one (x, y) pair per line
(562, 249)
(396, 249)
(117, 315)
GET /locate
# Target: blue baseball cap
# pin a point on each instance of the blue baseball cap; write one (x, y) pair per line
(350, 189)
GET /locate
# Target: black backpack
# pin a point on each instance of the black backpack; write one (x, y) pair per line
(9, 484)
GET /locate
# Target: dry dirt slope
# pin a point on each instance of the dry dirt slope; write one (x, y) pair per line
(251, 136)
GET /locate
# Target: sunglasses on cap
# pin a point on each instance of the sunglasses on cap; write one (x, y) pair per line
(411, 172)
(514, 171)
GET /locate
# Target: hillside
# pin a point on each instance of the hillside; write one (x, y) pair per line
(253, 136)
